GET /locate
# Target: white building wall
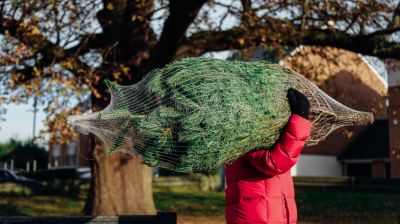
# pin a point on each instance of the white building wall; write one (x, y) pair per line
(394, 76)
(317, 165)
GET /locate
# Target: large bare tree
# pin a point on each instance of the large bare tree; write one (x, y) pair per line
(60, 51)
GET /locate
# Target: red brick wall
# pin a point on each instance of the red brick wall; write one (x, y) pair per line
(394, 130)
(82, 156)
(84, 150)
(378, 169)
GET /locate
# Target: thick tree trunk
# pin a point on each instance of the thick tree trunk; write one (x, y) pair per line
(121, 185)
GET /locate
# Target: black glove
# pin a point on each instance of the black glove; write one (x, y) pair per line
(298, 103)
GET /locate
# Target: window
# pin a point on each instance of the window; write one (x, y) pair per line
(71, 154)
(387, 170)
(56, 155)
(359, 169)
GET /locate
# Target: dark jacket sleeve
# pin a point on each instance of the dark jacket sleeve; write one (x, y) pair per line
(286, 151)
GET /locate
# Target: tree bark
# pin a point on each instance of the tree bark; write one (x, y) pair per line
(121, 185)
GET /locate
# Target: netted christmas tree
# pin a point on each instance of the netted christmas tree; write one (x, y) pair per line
(198, 114)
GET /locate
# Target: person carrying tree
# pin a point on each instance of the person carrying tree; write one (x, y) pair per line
(259, 185)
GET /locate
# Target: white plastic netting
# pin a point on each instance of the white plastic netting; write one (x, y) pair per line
(198, 114)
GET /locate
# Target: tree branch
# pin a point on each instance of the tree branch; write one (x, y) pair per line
(396, 18)
(127, 36)
(51, 53)
(247, 13)
(304, 15)
(182, 14)
(28, 35)
(361, 44)
(284, 33)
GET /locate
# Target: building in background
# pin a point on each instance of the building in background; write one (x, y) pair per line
(76, 152)
(368, 154)
(73, 154)
(349, 78)
(394, 117)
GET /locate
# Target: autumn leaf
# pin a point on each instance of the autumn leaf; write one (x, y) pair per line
(125, 69)
(36, 71)
(53, 2)
(35, 31)
(110, 6)
(67, 65)
(241, 41)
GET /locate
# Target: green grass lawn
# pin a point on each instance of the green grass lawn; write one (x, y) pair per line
(348, 207)
(314, 206)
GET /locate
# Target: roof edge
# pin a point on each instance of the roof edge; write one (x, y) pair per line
(376, 73)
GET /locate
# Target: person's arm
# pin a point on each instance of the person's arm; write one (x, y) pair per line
(286, 151)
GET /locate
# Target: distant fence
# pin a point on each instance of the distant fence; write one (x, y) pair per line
(201, 182)
(70, 187)
(176, 181)
(160, 218)
(348, 183)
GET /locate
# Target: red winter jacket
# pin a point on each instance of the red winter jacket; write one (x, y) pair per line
(259, 185)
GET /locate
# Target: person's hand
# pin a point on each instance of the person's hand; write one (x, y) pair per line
(298, 103)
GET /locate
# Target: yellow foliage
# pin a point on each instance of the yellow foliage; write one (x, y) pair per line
(15, 60)
(116, 75)
(241, 41)
(36, 71)
(53, 2)
(263, 38)
(110, 6)
(35, 31)
(67, 65)
(137, 18)
(125, 69)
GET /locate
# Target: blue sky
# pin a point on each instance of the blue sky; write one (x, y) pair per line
(19, 122)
